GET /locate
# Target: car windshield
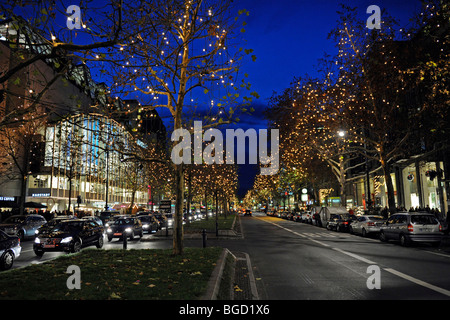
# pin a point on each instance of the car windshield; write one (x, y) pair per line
(423, 219)
(15, 220)
(119, 222)
(145, 218)
(68, 226)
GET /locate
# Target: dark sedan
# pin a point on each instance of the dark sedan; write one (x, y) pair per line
(69, 236)
(340, 222)
(149, 223)
(9, 250)
(126, 226)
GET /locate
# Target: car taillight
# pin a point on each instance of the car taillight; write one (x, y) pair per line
(440, 227)
(410, 227)
(345, 222)
(371, 224)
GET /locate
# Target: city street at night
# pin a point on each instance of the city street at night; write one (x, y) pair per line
(298, 261)
(221, 155)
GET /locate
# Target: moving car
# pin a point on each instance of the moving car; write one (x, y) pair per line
(9, 250)
(69, 236)
(125, 226)
(149, 223)
(340, 222)
(50, 224)
(365, 225)
(94, 218)
(248, 212)
(105, 216)
(410, 227)
(23, 226)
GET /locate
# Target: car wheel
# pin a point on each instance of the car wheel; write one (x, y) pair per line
(76, 246)
(404, 241)
(99, 242)
(39, 253)
(338, 228)
(110, 239)
(7, 260)
(350, 230)
(383, 237)
(363, 232)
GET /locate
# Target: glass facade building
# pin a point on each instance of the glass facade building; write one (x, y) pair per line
(83, 157)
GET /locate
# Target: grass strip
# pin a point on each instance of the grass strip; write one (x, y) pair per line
(115, 274)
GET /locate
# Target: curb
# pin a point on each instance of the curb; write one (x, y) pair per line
(216, 277)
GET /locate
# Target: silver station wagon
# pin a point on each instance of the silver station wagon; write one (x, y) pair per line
(412, 227)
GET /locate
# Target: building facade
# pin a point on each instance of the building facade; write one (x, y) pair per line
(80, 156)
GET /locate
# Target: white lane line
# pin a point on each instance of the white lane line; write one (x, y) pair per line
(354, 256)
(419, 282)
(395, 272)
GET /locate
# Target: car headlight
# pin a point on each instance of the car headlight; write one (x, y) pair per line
(66, 240)
(37, 240)
(145, 226)
(36, 232)
(109, 230)
(128, 230)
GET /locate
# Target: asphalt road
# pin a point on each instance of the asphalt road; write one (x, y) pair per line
(296, 261)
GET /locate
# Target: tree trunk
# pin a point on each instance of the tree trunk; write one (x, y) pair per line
(342, 181)
(389, 185)
(178, 216)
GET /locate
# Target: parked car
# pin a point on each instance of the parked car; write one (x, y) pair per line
(69, 236)
(410, 227)
(367, 224)
(9, 250)
(297, 216)
(340, 222)
(306, 216)
(125, 226)
(325, 214)
(149, 223)
(24, 226)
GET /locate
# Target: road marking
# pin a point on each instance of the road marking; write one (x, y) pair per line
(437, 253)
(354, 256)
(395, 272)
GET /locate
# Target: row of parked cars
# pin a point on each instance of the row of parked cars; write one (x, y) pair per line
(70, 234)
(405, 227)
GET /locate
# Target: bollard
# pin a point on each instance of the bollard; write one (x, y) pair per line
(125, 240)
(204, 237)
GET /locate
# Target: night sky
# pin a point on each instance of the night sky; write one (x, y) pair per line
(288, 37)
